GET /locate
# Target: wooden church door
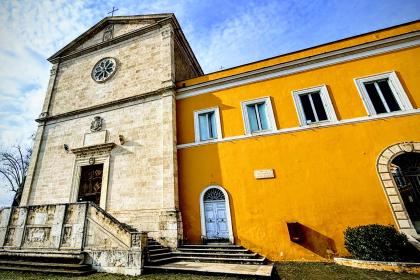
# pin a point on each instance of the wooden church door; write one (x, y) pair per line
(91, 183)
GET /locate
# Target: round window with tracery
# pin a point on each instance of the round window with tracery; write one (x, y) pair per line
(104, 69)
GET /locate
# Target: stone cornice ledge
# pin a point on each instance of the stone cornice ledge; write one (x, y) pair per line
(94, 149)
(304, 64)
(118, 39)
(162, 92)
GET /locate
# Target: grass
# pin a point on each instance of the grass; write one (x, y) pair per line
(286, 271)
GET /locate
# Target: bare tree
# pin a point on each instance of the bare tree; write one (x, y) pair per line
(13, 168)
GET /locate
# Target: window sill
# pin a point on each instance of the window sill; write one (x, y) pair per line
(261, 132)
(317, 124)
(303, 128)
(208, 141)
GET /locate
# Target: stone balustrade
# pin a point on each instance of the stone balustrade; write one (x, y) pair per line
(110, 246)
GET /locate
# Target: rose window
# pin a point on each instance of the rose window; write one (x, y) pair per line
(104, 69)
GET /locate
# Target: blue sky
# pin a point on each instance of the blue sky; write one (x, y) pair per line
(221, 33)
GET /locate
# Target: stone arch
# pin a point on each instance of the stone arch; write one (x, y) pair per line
(228, 214)
(396, 204)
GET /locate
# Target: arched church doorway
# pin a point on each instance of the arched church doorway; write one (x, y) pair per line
(216, 223)
(405, 169)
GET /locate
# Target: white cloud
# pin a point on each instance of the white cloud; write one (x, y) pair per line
(249, 33)
(31, 31)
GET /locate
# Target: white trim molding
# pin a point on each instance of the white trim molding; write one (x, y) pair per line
(383, 167)
(268, 110)
(197, 124)
(395, 86)
(387, 45)
(228, 214)
(303, 128)
(326, 102)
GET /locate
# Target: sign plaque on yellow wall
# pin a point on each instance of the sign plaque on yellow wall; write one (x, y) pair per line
(264, 174)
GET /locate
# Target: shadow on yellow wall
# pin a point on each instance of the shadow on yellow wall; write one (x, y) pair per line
(312, 240)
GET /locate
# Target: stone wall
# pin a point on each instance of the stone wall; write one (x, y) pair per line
(137, 106)
(142, 66)
(142, 178)
(119, 29)
(54, 228)
(183, 66)
(43, 227)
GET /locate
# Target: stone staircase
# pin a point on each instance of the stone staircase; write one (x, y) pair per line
(69, 263)
(214, 258)
(71, 238)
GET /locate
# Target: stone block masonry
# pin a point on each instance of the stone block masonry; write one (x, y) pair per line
(137, 104)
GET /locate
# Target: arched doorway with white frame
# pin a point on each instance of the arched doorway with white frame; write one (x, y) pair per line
(216, 220)
(398, 167)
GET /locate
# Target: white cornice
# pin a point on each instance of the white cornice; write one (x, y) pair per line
(326, 59)
(303, 128)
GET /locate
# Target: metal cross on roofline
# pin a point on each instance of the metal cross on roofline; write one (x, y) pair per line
(112, 12)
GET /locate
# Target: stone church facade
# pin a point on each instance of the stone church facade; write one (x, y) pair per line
(279, 156)
(136, 143)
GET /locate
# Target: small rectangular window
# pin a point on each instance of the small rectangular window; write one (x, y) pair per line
(383, 93)
(313, 108)
(207, 125)
(314, 105)
(258, 115)
(381, 96)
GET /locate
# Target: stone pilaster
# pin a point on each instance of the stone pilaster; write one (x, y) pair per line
(170, 225)
(38, 137)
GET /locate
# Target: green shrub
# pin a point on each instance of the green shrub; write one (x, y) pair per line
(375, 243)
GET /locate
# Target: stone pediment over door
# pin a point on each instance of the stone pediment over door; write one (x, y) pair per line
(108, 29)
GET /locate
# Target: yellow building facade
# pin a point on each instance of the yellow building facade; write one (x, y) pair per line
(302, 146)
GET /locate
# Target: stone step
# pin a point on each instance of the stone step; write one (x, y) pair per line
(42, 256)
(155, 247)
(157, 251)
(222, 260)
(81, 267)
(215, 255)
(40, 253)
(173, 258)
(162, 261)
(241, 270)
(49, 270)
(160, 256)
(214, 250)
(212, 246)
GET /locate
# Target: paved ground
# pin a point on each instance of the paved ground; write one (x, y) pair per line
(287, 271)
(225, 268)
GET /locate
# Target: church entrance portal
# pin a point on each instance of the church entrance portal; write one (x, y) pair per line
(405, 169)
(91, 183)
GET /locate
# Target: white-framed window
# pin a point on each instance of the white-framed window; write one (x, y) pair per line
(258, 115)
(314, 105)
(207, 125)
(383, 93)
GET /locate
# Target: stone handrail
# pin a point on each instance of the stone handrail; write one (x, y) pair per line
(70, 226)
(109, 216)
